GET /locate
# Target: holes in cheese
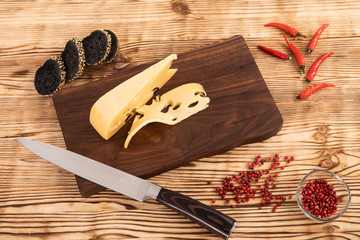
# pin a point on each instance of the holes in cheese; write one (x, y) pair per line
(193, 104)
(171, 108)
(166, 109)
(113, 109)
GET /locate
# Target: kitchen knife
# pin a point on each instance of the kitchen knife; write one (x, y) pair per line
(132, 186)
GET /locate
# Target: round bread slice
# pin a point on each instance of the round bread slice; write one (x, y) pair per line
(114, 46)
(74, 58)
(50, 77)
(97, 47)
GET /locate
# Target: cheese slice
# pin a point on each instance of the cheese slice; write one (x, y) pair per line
(113, 109)
(171, 108)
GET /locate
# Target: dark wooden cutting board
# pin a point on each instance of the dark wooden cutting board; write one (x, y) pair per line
(241, 111)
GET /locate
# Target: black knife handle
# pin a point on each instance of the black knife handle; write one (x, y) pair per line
(211, 219)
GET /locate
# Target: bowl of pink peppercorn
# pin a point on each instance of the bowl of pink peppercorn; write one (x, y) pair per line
(323, 196)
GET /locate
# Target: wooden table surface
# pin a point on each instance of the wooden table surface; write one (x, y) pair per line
(41, 201)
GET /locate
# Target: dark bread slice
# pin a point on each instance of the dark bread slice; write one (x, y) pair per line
(74, 58)
(50, 77)
(97, 47)
(114, 46)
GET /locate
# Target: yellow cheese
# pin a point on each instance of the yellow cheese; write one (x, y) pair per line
(171, 108)
(112, 110)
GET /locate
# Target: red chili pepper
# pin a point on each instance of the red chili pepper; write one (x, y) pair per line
(292, 31)
(297, 54)
(310, 90)
(315, 66)
(316, 37)
(274, 53)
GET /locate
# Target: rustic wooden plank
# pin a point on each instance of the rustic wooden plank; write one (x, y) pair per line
(40, 201)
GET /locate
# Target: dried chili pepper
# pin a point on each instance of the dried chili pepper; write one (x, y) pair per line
(292, 31)
(297, 54)
(274, 52)
(310, 90)
(315, 66)
(316, 37)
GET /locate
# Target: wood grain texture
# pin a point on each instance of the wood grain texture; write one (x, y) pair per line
(241, 111)
(40, 201)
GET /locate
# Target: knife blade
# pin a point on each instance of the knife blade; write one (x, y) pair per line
(133, 187)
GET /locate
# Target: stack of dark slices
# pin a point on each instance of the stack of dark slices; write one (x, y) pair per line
(101, 46)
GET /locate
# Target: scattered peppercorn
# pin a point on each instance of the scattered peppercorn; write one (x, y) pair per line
(274, 208)
(241, 187)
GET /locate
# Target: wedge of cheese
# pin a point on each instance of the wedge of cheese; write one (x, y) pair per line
(171, 108)
(112, 110)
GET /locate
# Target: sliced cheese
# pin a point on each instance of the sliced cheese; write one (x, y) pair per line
(171, 108)
(112, 110)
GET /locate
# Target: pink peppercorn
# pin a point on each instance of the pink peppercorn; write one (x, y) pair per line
(240, 184)
(319, 198)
